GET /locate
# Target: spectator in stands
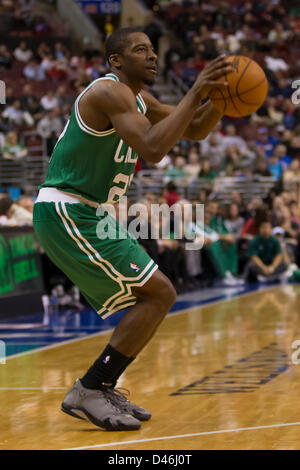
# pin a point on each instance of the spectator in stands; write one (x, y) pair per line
(206, 172)
(60, 52)
(292, 173)
(27, 203)
(266, 142)
(47, 63)
(251, 227)
(12, 214)
(153, 30)
(5, 57)
(26, 96)
(288, 254)
(212, 208)
(17, 116)
(33, 71)
(285, 136)
(108, 26)
(236, 159)
(58, 71)
(266, 263)
(13, 149)
(189, 73)
(62, 97)
(74, 69)
(274, 111)
(43, 50)
(219, 253)
(172, 262)
(261, 169)
(177, 172)
(213, 149)
(294, 147)
(170, 194)
(290, 114)
(232, 43)
(50, 127)
(231, 139)
(282, 87)
(284, 220)
(275, 167)
(278, 33)
(295, 213)
(275, 63)
(5, 124)
(40, 26)
(234, 221)
(97, 68)
(193, 167)
(281, 153)
(10, 95)
(22, 53)
(231, 164)
(31, 103)
(49, 101)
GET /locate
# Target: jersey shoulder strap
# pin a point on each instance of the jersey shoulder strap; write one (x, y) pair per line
(83, 126)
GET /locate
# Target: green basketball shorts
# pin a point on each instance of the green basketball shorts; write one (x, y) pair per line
(105, 270)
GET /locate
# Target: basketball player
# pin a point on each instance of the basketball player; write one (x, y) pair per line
(113, 121)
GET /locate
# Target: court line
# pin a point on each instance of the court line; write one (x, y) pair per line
(20, 326)
(44, 389)
(171, 314)
(182, 436)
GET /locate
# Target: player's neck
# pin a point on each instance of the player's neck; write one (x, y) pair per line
(134, 86)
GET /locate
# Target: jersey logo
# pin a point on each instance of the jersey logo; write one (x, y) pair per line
(135, 267)
(106, 360)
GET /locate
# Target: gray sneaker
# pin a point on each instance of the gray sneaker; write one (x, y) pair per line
(97, 407)
(118, 396)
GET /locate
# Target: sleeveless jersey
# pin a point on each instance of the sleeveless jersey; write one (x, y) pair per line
(98, 166)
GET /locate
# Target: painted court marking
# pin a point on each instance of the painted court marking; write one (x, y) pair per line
(42, 389)
(181, 436)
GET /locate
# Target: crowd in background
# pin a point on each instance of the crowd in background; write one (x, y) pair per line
(44, 78)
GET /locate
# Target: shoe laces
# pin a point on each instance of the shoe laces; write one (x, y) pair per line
(118, 397)
(107, 396)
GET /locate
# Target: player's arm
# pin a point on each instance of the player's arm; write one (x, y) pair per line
(153, 141)
(204, 119)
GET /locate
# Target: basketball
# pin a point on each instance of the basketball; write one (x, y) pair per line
(246, 91)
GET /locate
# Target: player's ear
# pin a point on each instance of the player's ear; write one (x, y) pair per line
(114, 60)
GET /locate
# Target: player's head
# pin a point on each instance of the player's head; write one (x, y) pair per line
(131, 51)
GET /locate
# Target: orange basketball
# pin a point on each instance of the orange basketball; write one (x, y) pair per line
(246, 91)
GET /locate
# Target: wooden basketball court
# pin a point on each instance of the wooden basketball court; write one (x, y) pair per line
(218, 376)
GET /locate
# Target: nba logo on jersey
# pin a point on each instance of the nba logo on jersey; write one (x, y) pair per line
(106, 359)
(135, 267)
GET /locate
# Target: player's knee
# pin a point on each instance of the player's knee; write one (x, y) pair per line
(159, 293)
(165, 296)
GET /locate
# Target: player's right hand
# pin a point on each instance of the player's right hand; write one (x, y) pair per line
(208, 78)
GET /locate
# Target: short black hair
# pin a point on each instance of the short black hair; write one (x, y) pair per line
(5, 204)
(118, 40)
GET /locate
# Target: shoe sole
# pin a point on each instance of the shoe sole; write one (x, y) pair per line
(107, 426)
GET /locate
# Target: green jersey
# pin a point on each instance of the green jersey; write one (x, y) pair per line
(265, 248)
(98, 166)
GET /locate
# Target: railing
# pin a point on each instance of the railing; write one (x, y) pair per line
(27, 173)
(177, 84)
(30, 172)
(152, 181)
